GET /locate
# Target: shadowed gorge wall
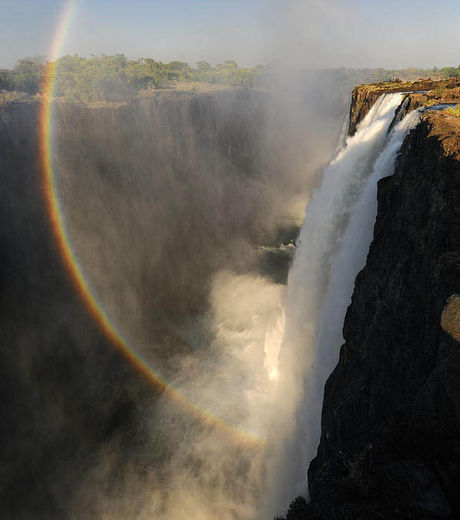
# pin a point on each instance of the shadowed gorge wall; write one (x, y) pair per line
(167, 203)
(160, 194)
(59, 401)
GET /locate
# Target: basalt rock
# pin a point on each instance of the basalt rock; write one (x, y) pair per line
(390, 441)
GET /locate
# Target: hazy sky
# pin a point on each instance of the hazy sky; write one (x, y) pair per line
(388, 33)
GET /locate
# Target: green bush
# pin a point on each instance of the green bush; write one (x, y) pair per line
(454, 111)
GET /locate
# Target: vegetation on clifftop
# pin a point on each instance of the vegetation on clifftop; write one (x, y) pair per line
(117, 78)
(113, 78)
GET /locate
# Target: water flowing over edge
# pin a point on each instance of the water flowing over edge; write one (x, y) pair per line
(332, 249)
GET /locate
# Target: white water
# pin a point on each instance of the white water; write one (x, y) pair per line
(354, 246)
(333, 246)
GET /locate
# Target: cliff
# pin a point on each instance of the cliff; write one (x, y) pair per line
(158, 194)
(390, 430)
(423, 91)
(67, 393)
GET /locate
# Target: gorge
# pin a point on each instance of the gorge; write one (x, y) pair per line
(178, 212)
(182, 214)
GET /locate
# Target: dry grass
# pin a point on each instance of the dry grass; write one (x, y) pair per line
(440, 89)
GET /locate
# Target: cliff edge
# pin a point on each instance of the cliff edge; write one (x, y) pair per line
(420, 93)
(390, 430)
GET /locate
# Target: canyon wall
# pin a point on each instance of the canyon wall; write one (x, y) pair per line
(158, 194)
(391, 418)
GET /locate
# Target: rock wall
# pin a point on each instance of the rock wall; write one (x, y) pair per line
(57, 370)
(361, 102)
(390, 441)
(158, 193)
(69, 399)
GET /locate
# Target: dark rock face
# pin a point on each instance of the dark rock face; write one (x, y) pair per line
(57, 372)
(361, 103)
(390, 442)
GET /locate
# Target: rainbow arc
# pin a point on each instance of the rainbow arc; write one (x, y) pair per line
(74, 269)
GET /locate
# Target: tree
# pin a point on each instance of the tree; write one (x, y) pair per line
(203, 66)
(28, 74)
(6, 82)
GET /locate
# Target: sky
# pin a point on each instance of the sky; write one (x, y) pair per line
(308, 33)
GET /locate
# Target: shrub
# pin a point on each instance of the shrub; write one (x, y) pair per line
(454, 111)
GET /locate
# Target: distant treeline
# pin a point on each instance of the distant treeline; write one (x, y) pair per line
(114, 78)
(413, 73)
(358, 76)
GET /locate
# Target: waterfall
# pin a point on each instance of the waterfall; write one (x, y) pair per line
(332, 248)
(351, 256)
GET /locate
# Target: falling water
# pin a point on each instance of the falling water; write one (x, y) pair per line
(332, 248)
(351, 257)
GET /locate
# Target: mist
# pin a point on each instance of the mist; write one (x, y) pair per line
(183, 212)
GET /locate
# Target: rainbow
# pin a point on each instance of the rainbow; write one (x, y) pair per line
(71, 262)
